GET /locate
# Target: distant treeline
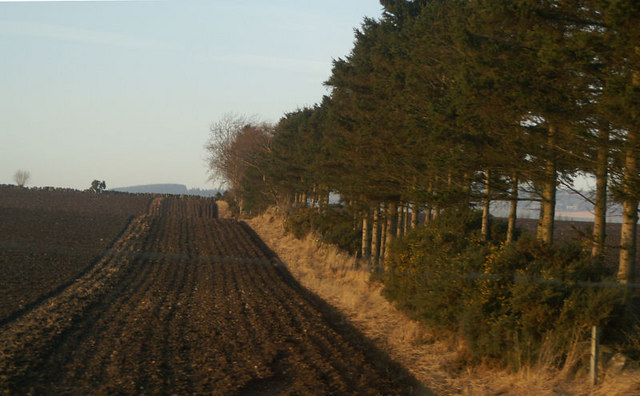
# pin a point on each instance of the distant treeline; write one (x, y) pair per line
(173, 189)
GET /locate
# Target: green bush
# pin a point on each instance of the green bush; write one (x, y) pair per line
(508, 303)
(426, 272)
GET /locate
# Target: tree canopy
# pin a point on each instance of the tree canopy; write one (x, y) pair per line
(448, 103)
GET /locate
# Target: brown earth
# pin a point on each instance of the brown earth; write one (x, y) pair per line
(187, 303)
(49, 238)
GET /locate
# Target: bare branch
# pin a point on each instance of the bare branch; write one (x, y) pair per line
(21, 177)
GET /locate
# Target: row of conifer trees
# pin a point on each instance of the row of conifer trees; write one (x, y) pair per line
(443, 102)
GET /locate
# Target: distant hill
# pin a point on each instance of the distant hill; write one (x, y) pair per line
(174, 189)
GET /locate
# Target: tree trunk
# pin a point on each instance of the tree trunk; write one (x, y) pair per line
(314, 197)
(626, 269)
(400, 225)
(428, 216)
(366, 242)
(240, 207)
(383, 241)
(548, 204)
(466, 188)
(356, 219)
(392, 223)
(375, 238)
(513, 212)
(325, 202)
(407, 219)
(486, 207)
(540, 217)
(600, 208)
(415, 216)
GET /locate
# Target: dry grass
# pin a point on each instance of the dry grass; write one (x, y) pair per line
(337, 278)
(223, 210)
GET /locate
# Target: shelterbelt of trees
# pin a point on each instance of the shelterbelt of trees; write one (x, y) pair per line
(445, 105)
(442, 102)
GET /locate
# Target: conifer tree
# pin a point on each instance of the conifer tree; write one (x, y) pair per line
(619, 106)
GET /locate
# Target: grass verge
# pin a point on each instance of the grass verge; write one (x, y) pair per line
(432, 359)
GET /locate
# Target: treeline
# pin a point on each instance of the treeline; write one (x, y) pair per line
(442, 103)
(441, 108)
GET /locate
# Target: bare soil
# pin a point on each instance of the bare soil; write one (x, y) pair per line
(49, 238)
(187, 303)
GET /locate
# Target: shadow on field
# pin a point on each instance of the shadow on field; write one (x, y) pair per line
(341, 325)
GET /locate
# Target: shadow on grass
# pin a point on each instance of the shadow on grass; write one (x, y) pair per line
(340, 323)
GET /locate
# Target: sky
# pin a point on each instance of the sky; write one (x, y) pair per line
(125, 91)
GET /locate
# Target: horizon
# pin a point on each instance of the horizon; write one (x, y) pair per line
(125, 91)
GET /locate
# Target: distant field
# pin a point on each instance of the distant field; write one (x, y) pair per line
(48, 238)
(572, 229)
(578, 231)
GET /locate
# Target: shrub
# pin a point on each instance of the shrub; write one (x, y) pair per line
(508, 303)
(427, 270)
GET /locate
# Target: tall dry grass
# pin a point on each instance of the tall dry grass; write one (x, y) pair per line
(223, 210)
(434, 361)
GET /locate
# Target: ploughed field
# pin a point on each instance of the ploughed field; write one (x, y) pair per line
(49, 238)
(182, 303)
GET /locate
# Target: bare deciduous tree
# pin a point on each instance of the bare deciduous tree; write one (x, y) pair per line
(21, 177)
(232, 147)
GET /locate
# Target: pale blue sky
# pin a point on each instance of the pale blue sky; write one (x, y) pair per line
(124, 91)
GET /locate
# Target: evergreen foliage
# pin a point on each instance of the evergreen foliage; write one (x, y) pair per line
(507, 302)
(445, 106)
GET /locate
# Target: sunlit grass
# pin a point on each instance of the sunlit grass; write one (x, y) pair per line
(436, 361)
